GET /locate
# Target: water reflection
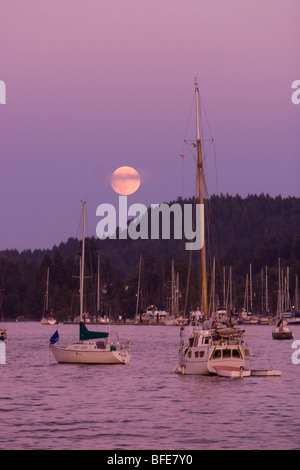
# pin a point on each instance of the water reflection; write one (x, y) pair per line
(143, 405)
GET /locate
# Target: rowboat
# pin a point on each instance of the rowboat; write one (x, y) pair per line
(265, 372)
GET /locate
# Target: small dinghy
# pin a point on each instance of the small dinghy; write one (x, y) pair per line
(266, 372)
(282, 333)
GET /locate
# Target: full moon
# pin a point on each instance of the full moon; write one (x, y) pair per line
(125, 180)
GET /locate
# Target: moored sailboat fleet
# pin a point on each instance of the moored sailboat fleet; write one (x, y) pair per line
(214, 344)
(211, 347)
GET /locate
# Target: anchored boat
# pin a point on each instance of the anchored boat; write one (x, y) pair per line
(93, 347)
(209, 348)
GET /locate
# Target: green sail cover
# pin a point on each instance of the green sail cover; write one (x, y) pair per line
(84, 333)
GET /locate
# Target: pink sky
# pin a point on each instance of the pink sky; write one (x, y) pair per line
(94, 85)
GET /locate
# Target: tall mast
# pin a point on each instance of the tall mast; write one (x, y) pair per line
(82, 262)
(267, 299)
(251, 303)
(201, 201)
(98, 285)
(47, 293)
(138, 289)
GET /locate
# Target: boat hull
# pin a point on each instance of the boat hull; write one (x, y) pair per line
(232, 372)
(282, 334)
(74, 356)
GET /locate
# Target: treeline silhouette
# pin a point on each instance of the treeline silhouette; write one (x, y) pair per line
(256, 230)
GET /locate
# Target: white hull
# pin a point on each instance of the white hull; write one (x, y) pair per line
(294, 321)
(232, 372)
(205, 366)
(48, 321)
(80, 354)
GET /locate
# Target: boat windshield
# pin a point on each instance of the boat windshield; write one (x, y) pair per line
(226, 353)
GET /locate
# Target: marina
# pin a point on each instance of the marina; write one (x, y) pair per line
(143, 404)
(166, 319)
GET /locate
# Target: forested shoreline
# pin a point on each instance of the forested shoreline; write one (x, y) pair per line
(256, 231)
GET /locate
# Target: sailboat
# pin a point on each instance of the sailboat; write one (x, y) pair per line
(282, 331)
(3, 333)
(93, 347)
(211, 350)
(295, 319)
(47, 319)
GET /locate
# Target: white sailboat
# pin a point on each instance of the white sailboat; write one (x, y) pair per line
(47, 319)
(210, 350)
(282, 331)
(93, 347)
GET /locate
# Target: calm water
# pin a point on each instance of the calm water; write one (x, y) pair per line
(144, 406)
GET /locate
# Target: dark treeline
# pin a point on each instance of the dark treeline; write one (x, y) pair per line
(256, 230)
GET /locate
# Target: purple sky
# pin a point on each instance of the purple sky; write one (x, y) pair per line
(94, 85)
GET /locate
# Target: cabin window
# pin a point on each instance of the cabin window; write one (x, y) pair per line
(205, 341)
(226, 353)
(201, 353)
(100, 345)
(216, 354)
(189, 353)
(236, 353)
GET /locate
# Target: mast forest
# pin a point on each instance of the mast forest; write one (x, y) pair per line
(259, 230)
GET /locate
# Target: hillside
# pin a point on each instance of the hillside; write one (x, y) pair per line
(256, 230)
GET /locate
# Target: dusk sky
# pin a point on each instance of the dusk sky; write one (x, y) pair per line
(92, 85)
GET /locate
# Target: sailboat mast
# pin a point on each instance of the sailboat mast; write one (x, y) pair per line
(47, 293)
(82, 262)
(201, 202)
(98, 285)
(138, 289)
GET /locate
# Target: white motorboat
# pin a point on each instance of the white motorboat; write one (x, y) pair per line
(206, 351)
(93, 347)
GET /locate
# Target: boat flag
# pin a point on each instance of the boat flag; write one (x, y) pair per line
(54, 338)
(182, 155)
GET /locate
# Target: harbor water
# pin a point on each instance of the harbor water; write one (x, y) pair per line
(143, 405)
